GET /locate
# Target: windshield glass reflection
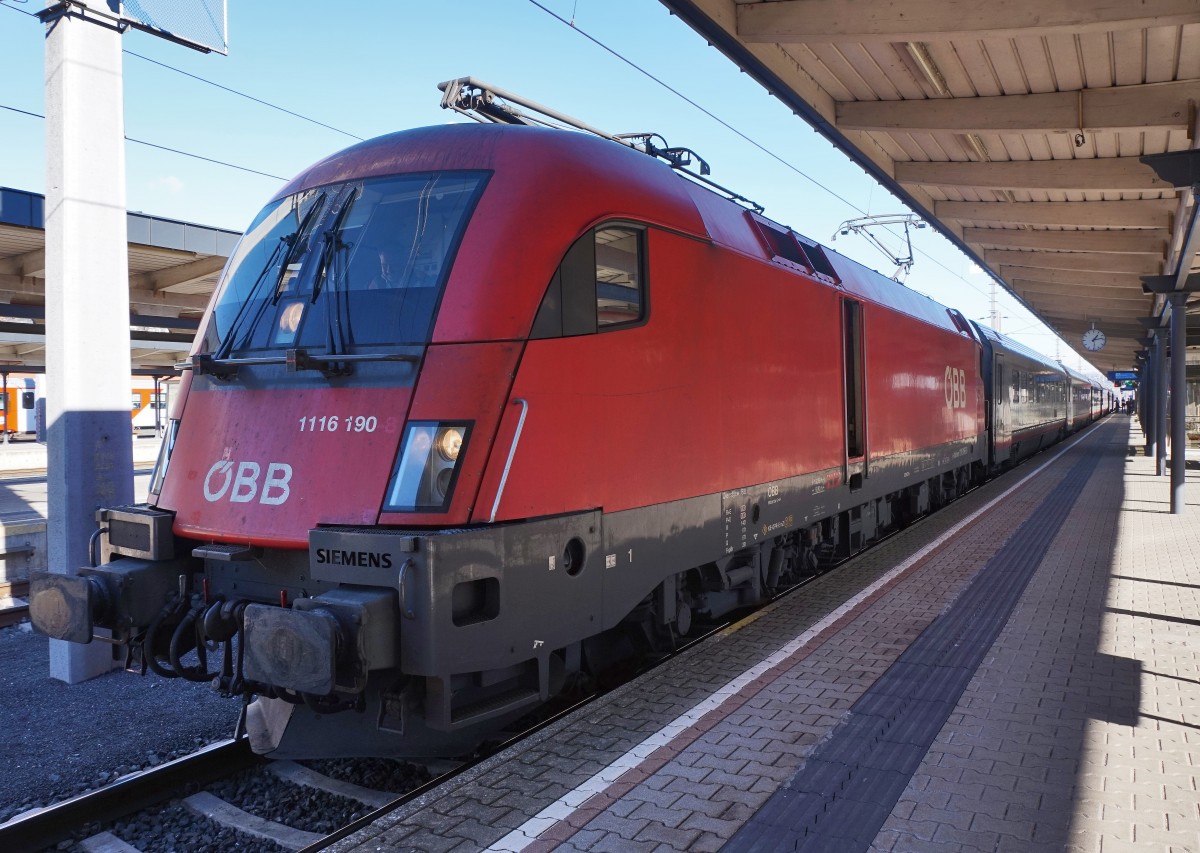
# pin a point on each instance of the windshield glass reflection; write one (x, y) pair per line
(351, 265)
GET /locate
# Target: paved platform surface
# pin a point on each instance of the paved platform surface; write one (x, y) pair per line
(1019, 672)
(23, 505)
(23, 477)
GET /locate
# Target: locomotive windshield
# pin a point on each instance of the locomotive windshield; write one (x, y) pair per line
(344, 266)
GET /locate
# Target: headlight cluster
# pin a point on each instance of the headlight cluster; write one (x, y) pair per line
(424, 477)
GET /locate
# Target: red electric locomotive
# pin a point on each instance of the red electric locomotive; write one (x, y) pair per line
(476, 408)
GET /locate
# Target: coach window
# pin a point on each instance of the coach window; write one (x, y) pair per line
(599, 285)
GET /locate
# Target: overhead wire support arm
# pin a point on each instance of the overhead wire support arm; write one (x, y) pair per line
(863, 226)
(122, 23)
(484, 102)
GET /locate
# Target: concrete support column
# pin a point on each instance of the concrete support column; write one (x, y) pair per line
(89, 441)
(1146, 389)
(1178, 400)
(1160, 402)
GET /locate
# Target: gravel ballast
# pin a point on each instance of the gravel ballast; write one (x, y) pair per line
(60, 740)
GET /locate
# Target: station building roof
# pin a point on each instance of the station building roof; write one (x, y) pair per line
(1015, 128)
(173, 268)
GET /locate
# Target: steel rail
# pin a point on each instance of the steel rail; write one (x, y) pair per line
(45, 827)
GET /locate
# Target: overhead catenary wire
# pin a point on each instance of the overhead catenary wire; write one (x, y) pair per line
(213, 83)
(569, 23)
(165, 148)
(778, 158)
(241, 94)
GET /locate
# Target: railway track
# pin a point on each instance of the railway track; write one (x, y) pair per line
(13, 607)
(229, 795)
(269, 805)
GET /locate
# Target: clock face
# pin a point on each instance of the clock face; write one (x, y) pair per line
(1093, 339)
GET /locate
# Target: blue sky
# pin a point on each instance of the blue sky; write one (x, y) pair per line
(372, 68)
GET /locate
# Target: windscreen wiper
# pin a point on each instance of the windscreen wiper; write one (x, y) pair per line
(293, 241)
(295, 359)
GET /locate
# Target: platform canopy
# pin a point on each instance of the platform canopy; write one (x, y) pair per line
(173, 269)
(1016, 127)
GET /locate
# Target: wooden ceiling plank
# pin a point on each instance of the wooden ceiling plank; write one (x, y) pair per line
(1122, 242)
(1035, 63)
(978, 67)
(1082, 261)
(1129, 56)
(1064, 61)
(1162, 53)
(832, 57)
(831, 21)
(1006, 65)
(1095, 58)
(886, 58)
(1159, 105)
(1060, 145)
(1110, 173)
(816, 69)
(959, 81)
(868, 71)
(1189, 54)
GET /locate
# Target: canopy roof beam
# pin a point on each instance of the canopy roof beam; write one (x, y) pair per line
(1083, 261)
(1117, 242)
(1009, 272)
(1108, 174)
(1137, 213)
(833, 21)
(1157, 105)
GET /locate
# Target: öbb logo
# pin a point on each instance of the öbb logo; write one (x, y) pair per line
(956, 388)
(242, 486)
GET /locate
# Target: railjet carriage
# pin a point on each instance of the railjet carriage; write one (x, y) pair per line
(478, 409)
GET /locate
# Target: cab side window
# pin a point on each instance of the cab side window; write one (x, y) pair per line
(618, 276)
(599, 285)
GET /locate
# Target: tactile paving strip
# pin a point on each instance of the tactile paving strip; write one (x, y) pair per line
(847, 788)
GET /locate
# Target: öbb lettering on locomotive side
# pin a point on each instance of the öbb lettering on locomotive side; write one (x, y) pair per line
(956, 388)
(496, 399)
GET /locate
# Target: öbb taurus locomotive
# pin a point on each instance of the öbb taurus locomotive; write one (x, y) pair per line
(476, 408)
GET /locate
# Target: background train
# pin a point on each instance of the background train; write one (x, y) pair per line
(149, 403)
(478, 410)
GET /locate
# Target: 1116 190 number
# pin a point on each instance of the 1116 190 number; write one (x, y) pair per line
(339, 423)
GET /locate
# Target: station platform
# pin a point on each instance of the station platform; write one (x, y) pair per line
(1018, 672)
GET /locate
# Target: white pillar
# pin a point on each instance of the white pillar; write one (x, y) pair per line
(90, 455)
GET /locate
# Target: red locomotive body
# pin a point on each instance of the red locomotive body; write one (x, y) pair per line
(592, 400)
